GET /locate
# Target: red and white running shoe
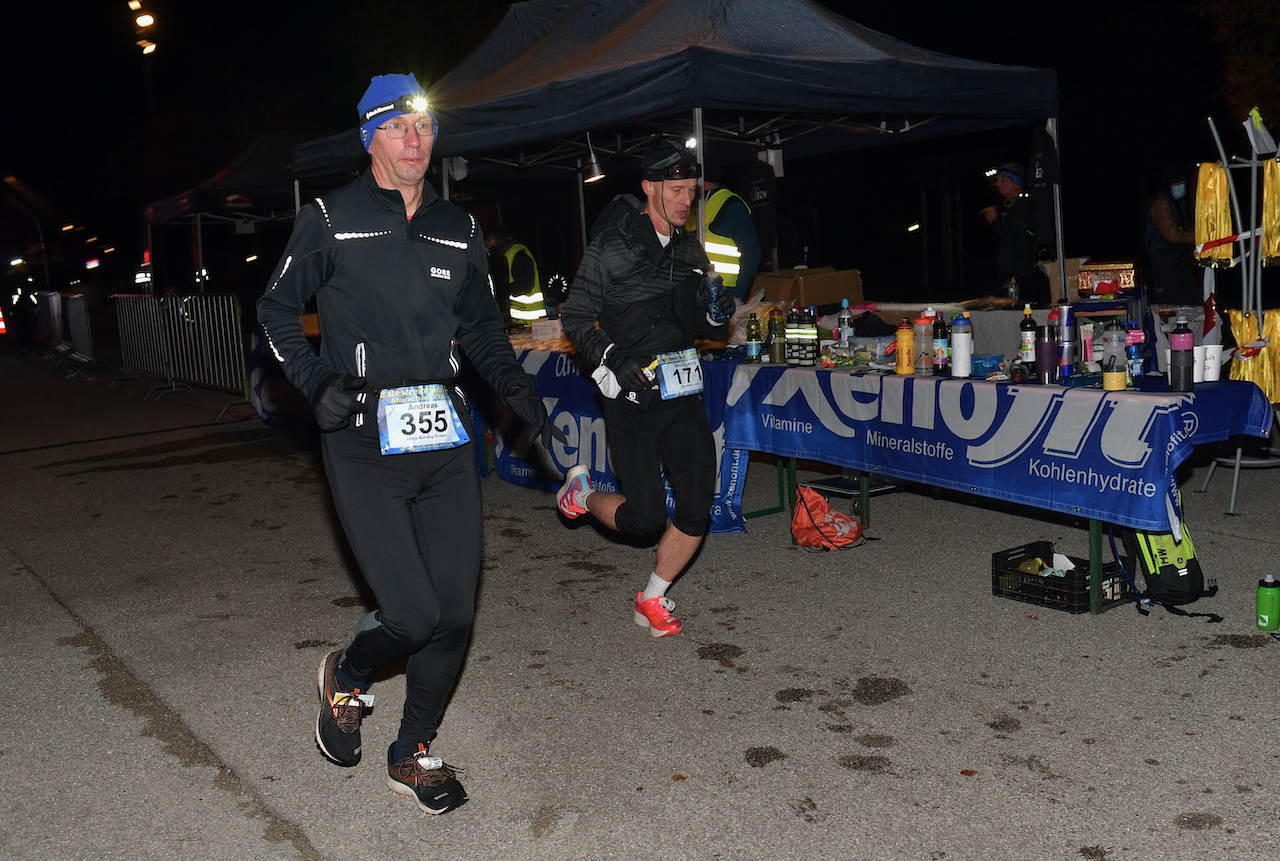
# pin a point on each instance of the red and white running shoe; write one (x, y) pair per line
(655, 614)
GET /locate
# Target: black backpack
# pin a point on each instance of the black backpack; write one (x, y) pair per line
(1169, 568)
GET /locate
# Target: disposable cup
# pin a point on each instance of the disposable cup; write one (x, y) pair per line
(1212, 362)
(1197, 371)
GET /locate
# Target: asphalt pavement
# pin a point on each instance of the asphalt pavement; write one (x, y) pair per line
(170, 583)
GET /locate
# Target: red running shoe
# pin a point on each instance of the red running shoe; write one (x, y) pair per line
(655, 614)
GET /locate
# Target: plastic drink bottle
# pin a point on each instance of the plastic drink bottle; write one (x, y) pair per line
(941, 346)
(1181, 357)
(754, 339)
(961, 347)
(1027, 337)
(778, 343)
(1113, 346)
(1269, 603)
(808, 335)
(793, 341)
(905, 349)
(1133, 341)
(844, 325)
(923, 347)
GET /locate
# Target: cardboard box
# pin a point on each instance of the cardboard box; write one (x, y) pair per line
(819, 287)
(546, 330)
(1056, 293)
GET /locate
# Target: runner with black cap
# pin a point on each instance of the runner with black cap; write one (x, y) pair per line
(400, 277)
(644, 281)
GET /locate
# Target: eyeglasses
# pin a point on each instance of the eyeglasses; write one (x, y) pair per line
(397, 129)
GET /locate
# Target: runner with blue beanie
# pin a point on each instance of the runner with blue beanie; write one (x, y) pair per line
(400, 278)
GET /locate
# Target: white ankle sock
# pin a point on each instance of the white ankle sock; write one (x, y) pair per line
(657, 586)
(580, 497)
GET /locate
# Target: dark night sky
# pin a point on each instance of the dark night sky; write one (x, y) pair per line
(97, 130)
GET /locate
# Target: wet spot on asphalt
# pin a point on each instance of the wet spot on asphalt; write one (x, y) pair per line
(722, 652)
(872, 691)
(758, 757)
(513, 532)
(874, 739)
(1197, 821)
(807, 809)
(313, 644)
(1241, 641)
(858, 762)
(544, 819)
(1094, 853)
(793, 695)
(840, 727)
(349, 601)
(1004, 723)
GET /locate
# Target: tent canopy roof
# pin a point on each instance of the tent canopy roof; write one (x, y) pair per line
(258, 184)
(557, 68)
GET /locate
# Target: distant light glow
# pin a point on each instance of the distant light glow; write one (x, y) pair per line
(90, 240)
(147, 47)
(991, 171)
(691, 143)
(913, 228)
(92, 263)
(135, 5)
(68, 227)
(108, 249)
(251, 258)
(145, 20)
(17, 261)
(142, 278)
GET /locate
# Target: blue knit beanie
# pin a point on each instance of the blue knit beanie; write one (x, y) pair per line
(386, 98)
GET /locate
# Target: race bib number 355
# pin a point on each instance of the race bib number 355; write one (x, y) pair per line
(418, 418)
(679, 374)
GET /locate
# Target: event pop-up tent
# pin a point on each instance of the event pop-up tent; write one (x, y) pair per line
(762, 73)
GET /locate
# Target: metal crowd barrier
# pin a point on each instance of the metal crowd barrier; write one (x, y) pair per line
(187, 340)
(49, 319)
(76, 319)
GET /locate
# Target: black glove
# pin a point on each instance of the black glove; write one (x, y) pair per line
(719, 301)
(333, 403)
(628, 371)
(522, 396)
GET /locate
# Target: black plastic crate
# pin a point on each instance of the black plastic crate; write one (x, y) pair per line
(1069, 593)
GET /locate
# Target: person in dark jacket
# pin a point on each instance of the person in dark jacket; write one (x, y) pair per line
(1016, 258)
(399, 276)
(641, 296)
(1169, 237)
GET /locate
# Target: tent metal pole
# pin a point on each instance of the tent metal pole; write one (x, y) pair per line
(699, 150)
(582, 208)
(444, 180)
(1059, 244)
(297, 197)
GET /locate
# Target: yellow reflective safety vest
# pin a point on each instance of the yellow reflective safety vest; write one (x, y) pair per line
(528, 306)
(721, 250)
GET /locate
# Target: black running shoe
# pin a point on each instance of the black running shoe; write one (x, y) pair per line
(341, 710)
(425, 779)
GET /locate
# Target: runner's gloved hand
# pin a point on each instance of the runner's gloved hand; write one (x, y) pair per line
(334, 403)
(628, 370)
(522, 396)
(719, 301)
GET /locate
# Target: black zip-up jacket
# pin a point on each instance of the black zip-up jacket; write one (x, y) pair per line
(394, 295)
(625, 279)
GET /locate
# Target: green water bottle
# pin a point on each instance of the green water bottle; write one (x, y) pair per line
(1268, 603)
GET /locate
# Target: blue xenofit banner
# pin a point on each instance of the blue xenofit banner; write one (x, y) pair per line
(573, 402)
(1106, 455)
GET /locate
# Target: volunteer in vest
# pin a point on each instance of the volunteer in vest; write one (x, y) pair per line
(643, 280)
(523, 288)
(732, 245)
(399, 277)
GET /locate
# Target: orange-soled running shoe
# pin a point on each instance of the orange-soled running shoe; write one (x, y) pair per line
(577, 479)
(655, 614)
(341, 710)
(426, 779)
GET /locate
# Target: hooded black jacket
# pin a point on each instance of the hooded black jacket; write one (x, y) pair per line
(394, 295)
(626, 278)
